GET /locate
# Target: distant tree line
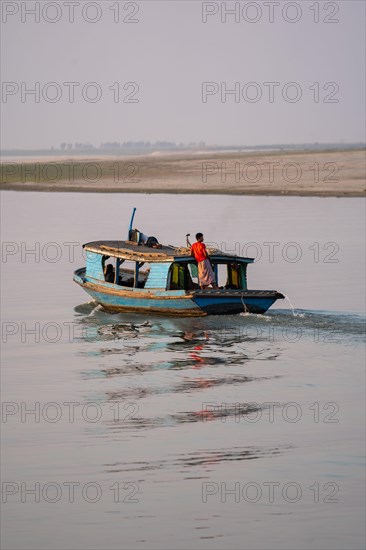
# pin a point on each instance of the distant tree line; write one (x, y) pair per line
(132, 145)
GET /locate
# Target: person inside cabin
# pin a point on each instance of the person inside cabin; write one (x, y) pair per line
(109, 273)
(206, 275)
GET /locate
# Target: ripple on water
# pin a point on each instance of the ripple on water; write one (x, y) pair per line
(199, 458)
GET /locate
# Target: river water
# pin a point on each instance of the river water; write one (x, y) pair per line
(127, 431)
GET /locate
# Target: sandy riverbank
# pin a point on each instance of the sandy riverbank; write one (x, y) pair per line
(325, 173)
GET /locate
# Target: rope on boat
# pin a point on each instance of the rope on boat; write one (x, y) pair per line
(187, 250)
(244, 305)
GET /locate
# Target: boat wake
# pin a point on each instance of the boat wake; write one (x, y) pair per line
(86, 308)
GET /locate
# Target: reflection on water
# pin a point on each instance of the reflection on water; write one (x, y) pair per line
(168, 345)
(206, 414)
(200, 458)
(209, 354)
(175, 343)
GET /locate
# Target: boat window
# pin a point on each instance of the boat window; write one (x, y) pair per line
(229, 276)
(109, 273)
(109, 269)
(193, 269)
(180, 277)
(104, 259)
(221, 274)
(233, 276)
(127, 274)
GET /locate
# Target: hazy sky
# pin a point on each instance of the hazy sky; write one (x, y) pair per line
(164, 76)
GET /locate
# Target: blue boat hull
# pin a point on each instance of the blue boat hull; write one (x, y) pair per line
(226, 304)
(194, 303)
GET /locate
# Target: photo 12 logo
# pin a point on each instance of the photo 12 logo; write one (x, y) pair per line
(69, 92)
(69, 172)
(67, 411)
(271, 411)
(275, 251)
(70, 12)
(270, 172)
(71, 492)
(270, 492)
(270, 12)
(269, 91)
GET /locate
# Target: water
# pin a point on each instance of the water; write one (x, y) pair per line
(243, 431)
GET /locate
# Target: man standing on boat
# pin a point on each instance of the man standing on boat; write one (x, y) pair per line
(206, 276)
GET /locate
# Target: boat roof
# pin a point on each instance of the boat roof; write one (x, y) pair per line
(128, 250)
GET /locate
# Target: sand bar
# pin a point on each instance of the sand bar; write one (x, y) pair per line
(333, 173)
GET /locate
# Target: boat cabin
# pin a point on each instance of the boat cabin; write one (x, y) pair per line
(165, 269)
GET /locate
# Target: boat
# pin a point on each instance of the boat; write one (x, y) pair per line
(164, 280)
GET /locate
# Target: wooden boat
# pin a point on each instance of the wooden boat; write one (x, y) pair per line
(167, 283)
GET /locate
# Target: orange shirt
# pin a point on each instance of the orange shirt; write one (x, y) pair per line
(198, 250)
